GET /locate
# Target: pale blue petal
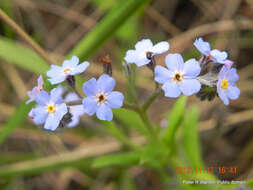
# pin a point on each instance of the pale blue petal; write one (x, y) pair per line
(202, 46)
(104, 112)
(56, 95)
(57, 79)
(160, 48)
(232, 75)
(76, 112)
(71, 97)
(233, 92)
(90, 87)
(142, 61)
(40, 82)
(174, 62)
(219, 56)
(162, 74)
(53, 120)
(89, 105)
(190, 86)
(115, 99)
(42, 98)
(105, 83)
(54, 70)
(39, 115)
(131, 56)
(71, 63)
(223, 96)
(74, 122)
(80, 68)
(51, 123)
(191, 68)
(143, 45)
(171, 89)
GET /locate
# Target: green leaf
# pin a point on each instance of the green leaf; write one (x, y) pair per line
(191, 142)
(15, 120)
(121, 159)
(131, 119)
(174, 120)
(117, 133)
(107, 27)
(127, 182)
(22, 57)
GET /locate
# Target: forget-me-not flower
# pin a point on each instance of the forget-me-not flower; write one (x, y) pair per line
(36, 90)
(50, 109)
(179, 77)
(70, 67)
(76, 110)
(226, 85)
(215, 54)
(100, 97)
(144, 50)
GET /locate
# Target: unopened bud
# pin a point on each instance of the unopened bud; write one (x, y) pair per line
(71, 81)
(107, 66)
(67, 118)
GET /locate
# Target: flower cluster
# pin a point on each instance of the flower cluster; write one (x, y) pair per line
(190, 77)
(52, 110)
(211, 75)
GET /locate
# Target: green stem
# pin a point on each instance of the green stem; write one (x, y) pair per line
(151, 99)
(147, 122)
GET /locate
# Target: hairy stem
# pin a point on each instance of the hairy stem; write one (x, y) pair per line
(26, 37)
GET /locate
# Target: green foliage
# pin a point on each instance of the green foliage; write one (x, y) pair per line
(174, 120)
(22, 57)
(131, 120)
(191, 138)
(107, 27)
(15, 120)
(121, 159)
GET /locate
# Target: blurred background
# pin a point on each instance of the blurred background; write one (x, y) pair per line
(226, 132)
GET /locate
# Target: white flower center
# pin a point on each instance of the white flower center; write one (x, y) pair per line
(178, 77)
(101, 98)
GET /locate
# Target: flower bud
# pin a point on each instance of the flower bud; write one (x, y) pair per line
(107, 66)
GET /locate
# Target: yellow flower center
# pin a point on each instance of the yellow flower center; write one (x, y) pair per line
(101, 98)
(224, 84)
(66, 71)
(51, 108)
(178, 77)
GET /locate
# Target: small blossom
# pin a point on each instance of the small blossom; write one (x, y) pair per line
(50, 109)
(76, 110)
(70, 67)
(100, 97)
(36, 90)
(226, 85)
(144, 51)
(215, 54)
(179, 77)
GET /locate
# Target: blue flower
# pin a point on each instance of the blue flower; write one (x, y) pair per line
(215, 54)
(36, 90)
(179, 77)
(144, 50)
(100, 97)
(50, 109)
(226, 85)
(76, 110)
(58, 74)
